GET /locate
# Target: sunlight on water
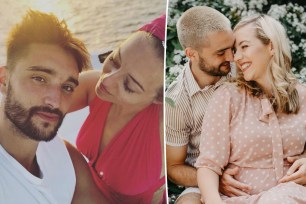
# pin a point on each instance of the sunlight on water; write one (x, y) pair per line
(101, 24)
(58, 7)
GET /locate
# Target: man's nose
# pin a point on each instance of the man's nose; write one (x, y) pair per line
(229, 56)
(53, 97)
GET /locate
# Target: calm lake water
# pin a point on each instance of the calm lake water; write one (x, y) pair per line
(101, 24)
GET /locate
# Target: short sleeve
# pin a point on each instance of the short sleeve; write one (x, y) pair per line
(177, 130)
(215, 138)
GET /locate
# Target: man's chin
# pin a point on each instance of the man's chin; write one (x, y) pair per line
(42, 138)
(41, 133)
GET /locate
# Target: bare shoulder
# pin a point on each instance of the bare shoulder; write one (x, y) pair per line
(75, 155)
(85, 92)
(88, 80)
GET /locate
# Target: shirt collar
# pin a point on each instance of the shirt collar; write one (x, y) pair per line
(192, 84)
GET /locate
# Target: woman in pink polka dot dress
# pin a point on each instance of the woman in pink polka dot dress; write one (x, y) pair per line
(256, 122)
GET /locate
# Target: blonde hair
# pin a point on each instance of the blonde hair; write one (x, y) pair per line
(195, 23)
(39, 27)
(284, 94)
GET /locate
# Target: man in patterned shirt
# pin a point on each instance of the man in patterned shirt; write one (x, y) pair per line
(207, 39)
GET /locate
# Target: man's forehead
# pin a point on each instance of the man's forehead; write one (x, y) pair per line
(220, 40)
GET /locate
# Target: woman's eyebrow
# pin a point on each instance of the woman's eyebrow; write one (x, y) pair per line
(136, 82)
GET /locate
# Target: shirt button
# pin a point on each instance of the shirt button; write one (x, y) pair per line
(101, 174)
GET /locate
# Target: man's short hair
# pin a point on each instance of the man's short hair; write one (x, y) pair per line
(39, 27)
(195, 23)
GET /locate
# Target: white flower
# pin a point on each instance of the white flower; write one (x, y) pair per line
(303, 72)
(177, 59)
(172, 21)
(238, 4)
(180, 52)
(277, 11)
(294, 47)
(253, 4)
(175, 70)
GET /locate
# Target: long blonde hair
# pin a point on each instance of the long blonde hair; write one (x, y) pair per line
(285, 97)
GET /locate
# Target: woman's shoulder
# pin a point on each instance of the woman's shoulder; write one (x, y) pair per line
(230, 89)
(301, 88)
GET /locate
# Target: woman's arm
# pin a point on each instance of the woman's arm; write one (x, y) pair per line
(85, 92)
(86, 190)
(215, 145)
(208, 182)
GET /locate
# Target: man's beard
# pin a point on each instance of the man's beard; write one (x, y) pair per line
(214, 71)
(22, 118)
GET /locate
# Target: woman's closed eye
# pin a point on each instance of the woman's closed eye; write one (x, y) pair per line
(126, 86)
(244, 46)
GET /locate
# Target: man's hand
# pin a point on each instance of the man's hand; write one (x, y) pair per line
(230, 186)
(297, 172)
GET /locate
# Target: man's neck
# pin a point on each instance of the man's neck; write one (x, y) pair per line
(20, 147)
(202, 78)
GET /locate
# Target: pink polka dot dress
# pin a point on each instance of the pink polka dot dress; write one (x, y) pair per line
(243, 130)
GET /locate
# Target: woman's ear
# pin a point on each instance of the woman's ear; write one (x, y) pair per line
(271, 48)
(3, 77)
(159, 97)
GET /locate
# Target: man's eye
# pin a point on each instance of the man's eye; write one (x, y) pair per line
(68, 88)
(220, 53)
(38, 78)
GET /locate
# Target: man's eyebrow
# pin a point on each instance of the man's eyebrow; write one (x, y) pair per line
(136, 82)
(73, 80)
(42, 69)
(51, 72)
(223, 49)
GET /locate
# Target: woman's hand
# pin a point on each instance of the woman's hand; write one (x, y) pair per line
(297, 172)
(230, 186)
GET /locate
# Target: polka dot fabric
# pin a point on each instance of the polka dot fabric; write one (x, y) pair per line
(242, 130)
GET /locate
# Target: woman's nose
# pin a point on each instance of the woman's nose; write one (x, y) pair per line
(237, 56)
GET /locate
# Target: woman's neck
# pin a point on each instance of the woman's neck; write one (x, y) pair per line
(127, 110)
(266, 86)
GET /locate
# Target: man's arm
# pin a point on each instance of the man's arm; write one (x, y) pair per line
(179, 172)
(85, 191)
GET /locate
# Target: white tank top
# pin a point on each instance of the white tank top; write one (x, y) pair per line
(56, 184)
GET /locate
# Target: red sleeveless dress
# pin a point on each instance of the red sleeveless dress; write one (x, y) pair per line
(129, 167)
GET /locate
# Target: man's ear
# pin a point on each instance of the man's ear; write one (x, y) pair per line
(3, 81)
(191, 53)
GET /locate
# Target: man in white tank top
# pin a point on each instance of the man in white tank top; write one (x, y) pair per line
(43, 63)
